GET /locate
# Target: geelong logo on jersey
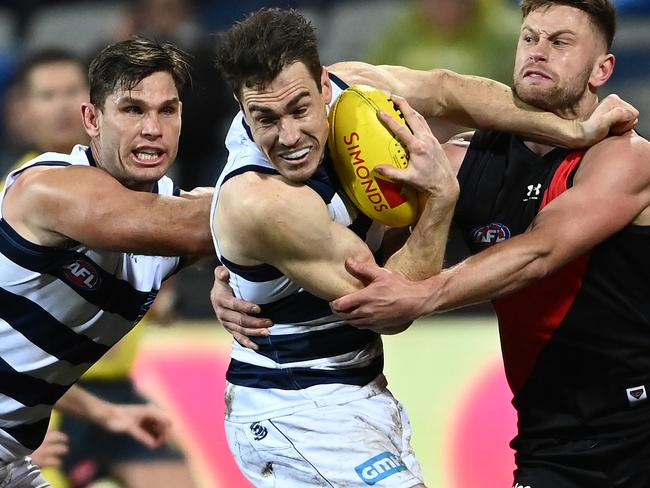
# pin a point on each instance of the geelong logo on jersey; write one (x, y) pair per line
(82, 273)
(490, 234)
(379, 467)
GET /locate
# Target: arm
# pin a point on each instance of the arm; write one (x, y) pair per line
(145, 423)
(303, 242)
(473, 101)
(49, 206)
(606, 197)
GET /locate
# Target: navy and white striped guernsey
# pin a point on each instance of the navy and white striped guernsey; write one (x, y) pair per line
(311, 357)
(61, 309)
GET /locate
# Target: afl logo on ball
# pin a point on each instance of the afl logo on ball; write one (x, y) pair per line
(490, 234)
(82, 273)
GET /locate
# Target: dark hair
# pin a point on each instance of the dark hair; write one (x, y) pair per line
(601, 12)
(124, 64)
(41, 58)
(256, 49)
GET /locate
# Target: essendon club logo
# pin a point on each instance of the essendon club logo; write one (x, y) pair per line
(82, 273)
(490, 234)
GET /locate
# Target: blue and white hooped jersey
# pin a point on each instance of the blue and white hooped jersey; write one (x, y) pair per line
(311, 358)
(61, 309)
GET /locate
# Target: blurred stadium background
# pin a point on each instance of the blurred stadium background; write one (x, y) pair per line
(447, 370)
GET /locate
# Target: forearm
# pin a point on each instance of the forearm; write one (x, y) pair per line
(422, 254)
(493, 273)
(478, 102)
(80, 403)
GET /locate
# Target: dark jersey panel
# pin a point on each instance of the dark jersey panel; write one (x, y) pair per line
(577, 344)
(502, 185)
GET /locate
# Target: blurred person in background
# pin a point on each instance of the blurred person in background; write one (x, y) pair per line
(49, 88)
(465, 36)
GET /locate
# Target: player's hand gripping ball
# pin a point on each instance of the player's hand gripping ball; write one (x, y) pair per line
(358, 142)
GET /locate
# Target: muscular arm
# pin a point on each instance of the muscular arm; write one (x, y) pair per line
(473, 101)
(58, 206)
(611, 190)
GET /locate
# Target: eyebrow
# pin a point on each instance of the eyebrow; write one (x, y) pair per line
(129, 99)
(551, 34)
(293, 102)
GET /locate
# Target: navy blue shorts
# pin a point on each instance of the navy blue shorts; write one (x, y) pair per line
(622, 462)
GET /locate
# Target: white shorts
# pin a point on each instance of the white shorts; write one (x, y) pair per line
(21, 473)
(358, 444)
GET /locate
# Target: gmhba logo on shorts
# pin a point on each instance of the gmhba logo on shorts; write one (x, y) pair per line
(379, 467)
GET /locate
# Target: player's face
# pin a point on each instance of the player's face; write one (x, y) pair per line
(558, 57)
(54, 95)
(288, 119)
(138, 131)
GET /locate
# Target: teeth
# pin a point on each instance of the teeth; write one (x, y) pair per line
(296, 154)
(147, 156)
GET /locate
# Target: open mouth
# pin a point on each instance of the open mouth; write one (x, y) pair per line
(296, 156)
(148, 157)
(536, 75)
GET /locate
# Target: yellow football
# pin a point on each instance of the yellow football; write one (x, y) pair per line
(358, 142)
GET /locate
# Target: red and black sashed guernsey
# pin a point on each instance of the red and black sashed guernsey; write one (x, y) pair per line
(576, 345)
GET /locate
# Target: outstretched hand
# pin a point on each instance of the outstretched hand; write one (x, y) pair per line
(146, 423)
(388, 303)
(233, 312)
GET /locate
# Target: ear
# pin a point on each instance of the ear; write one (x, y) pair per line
(90, 116)
(603, 69)
(326, 85)
(180, 116)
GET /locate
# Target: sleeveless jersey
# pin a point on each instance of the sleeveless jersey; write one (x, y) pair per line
(576, 344)
(61, 309)
(311, 357)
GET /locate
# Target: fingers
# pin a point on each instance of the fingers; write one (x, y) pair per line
(221, 273)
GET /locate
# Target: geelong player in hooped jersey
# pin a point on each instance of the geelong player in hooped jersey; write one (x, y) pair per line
(86, 240)
(307, 404)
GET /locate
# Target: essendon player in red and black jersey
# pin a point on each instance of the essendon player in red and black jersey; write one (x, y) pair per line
(560, 240)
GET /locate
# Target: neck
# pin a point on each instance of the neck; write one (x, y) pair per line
(580, 111)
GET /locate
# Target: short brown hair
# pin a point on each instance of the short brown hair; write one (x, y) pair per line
(255, 50)
(601, 12)
(124, 64)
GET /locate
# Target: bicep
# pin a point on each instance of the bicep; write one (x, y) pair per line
(306, 245)
(602, 201)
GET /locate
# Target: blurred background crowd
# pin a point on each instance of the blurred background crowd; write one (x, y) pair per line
(45, 44)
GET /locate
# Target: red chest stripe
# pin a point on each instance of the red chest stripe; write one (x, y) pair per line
(529, 317)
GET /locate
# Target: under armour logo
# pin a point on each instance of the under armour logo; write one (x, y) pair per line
(533, 192)
(258, 430)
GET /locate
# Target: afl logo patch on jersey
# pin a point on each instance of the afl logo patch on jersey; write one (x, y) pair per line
(490, 234)
(82, 274)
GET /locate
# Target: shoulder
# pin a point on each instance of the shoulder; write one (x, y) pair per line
(625, 156)
(263, 199)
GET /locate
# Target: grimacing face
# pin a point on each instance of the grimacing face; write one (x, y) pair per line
(288, 120)
(135, 135)
(557, 59)
(53, 97)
